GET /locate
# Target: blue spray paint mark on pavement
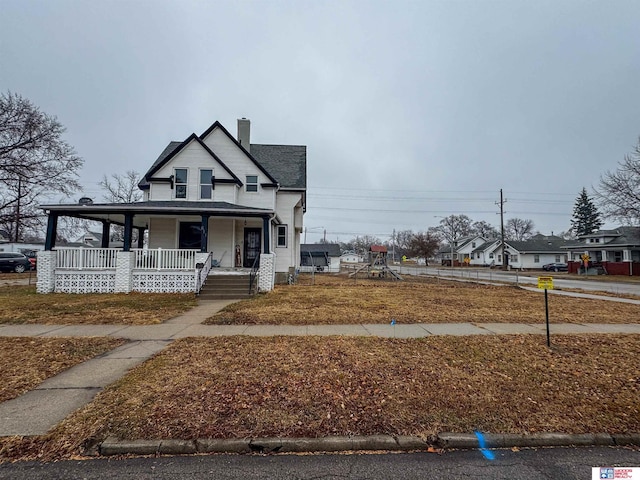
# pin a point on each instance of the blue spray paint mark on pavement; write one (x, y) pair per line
(488, 454)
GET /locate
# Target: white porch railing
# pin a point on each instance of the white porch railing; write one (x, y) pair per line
(165, 259)
(86, 258)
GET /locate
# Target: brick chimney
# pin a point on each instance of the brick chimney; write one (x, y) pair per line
(244, 133)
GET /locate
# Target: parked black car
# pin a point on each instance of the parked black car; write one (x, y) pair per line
(556, 267)
(14, 262)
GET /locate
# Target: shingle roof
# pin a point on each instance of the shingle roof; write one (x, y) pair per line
(331, 249)
(539, 243)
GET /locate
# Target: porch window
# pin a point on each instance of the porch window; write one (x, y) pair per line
(557, 258)
(282, 236)
(536, 259)
(491, 255)
(180, 182)
(514, 258)
(252, 183)
(206, 188)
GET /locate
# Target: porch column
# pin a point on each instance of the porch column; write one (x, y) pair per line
(106, 232)
(128, 230)
(204, 233)
(52, 231)
(141, 237)
(266, 228)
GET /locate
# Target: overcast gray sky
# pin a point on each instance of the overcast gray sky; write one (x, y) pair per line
(409, 109)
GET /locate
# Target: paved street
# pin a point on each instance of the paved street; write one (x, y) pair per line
(529, 278)
(539, 464)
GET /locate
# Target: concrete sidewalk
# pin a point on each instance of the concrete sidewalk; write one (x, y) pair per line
(169, 332)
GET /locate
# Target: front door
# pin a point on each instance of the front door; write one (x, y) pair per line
(251, 245)
(190, 235)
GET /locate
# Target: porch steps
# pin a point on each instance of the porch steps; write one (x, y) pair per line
(223, 287)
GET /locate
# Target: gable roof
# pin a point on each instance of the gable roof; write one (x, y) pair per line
(172, 150)
(331, 249)
(285, 165)
(217, 124)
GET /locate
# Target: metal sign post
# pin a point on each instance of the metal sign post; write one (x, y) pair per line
(546, 283)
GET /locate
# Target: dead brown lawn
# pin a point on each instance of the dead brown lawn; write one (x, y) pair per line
(21, 304)
(310, 386)
(339, 300)
(27, 362)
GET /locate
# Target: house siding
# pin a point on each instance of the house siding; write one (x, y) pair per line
(162, 233)
(193, 157)
(289, 255)
(221, 238)
(236, 160)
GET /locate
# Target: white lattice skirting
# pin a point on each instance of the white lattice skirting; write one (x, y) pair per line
(90, 282)
(150, 282)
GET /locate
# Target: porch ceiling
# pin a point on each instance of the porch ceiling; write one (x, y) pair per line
(143, 211)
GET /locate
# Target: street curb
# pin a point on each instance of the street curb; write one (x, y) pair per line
(114, 446)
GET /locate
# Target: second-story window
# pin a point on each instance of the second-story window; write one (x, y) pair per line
(252, 183)
(206, 188)
(180, 182)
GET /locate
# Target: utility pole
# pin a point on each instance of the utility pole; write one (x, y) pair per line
(324, 240)
(504, 256)
(393, 246)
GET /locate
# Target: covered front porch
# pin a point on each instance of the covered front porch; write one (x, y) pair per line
(184, 242)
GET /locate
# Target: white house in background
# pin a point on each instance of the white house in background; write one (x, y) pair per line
(462, 248)
(210, 199)
(320, 257)
(351, 257)
(533, 253)
(483, 255)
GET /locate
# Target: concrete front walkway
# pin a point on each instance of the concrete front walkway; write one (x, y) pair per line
(39, 410)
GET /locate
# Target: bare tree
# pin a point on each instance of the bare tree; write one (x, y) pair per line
(34, 163)
(518, 229)
(453, 227)
(619, 191)
(423, 245)
(362, 243)
(484, 229)
(121, 188)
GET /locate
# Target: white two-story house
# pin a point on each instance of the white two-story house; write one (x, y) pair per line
(212, 198)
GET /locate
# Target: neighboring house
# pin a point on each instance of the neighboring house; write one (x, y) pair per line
(484, 255)
(94, 240)
(462, 248)
(4, 236)
(530, 254)
(617, 250)
(211, 199)
(351, 257)
(320, 257)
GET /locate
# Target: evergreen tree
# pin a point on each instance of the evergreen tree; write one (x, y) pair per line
(586, 217)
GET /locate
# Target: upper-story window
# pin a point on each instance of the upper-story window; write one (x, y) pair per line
(180, 182)
(252, 183)
(206, 188)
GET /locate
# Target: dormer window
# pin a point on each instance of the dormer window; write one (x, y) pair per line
(180, 182)
(252, 183)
